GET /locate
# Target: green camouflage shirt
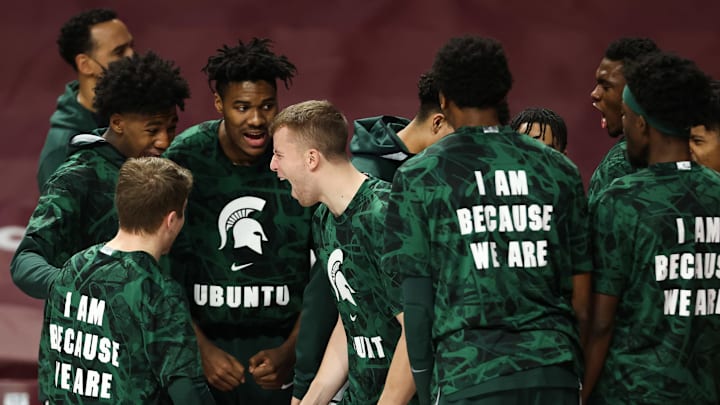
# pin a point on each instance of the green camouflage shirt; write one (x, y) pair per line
(498, 221)
(75, 211)
(656, 235)
(115, 331)
(613, 165)
(69, 119)
(349, 248)
(244, 252)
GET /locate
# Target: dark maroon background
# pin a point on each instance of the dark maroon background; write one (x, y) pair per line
(365, 56)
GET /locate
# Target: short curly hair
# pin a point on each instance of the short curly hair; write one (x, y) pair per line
(75, 35)
(671, 89)
(427, 95)
(253, 62)
(712, 120)
(473, 72)
(142, 84)
(628, 49)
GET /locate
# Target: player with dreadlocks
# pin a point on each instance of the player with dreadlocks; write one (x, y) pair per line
(244, 254)
(542, 124)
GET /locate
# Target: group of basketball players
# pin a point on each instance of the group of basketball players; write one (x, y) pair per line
(448, 259)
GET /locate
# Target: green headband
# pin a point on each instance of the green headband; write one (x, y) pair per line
(629, 100)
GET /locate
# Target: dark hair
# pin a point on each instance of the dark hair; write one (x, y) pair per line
(148, 188)
(545, 117)
(253, 62)
(473, 72)
(428, 96)
(318, 124)
(75, 35)
(143, 84)
(628, 49)
(671, 89)
(712, 119)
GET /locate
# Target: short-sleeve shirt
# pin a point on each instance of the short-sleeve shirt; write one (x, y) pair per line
(349, 247)
(498, 222)
(115, 331)
(613, 165)
(656, 237)
(243, 255)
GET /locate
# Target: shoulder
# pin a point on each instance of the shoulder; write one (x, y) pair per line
(627, 192)
(193, 139)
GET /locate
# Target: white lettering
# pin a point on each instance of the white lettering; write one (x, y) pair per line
(216, 296)
(88, 383)
(661, 267)
(680, 230)
(527, 254)
(464, 221)
(247, 296)
(482, 252)
(364, 347)
(479, 181)
(68, 298)
(512, 183)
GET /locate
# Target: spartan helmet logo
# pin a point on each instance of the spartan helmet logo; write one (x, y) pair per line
(246, 231)
(339, 283)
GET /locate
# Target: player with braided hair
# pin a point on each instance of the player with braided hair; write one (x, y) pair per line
(542, 124)
(244, 254)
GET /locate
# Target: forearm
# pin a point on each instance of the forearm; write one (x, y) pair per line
(333, 371)
(399, 385)
(203, 342)
(319, 316)
(595, 353)
(291, 340)
(32, 274)
(599, 338)
(418, 318)
(581, 302)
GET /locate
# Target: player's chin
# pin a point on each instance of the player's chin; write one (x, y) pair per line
(152, 153)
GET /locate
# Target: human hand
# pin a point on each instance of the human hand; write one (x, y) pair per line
(272, 368)
(222, 370)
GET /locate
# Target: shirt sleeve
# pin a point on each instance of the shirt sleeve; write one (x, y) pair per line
(612, 221)
(52, 235)
(579, 237)
(318, 317)
(407, 242)
(168, 336)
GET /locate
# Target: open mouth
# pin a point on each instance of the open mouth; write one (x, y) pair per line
(256, 139)
(603, 120)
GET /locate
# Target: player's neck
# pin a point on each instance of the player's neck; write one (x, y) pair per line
(132, 242)
(340, 184)
(664, 149)
(413, 136)
(476, 117)
(86, 92)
